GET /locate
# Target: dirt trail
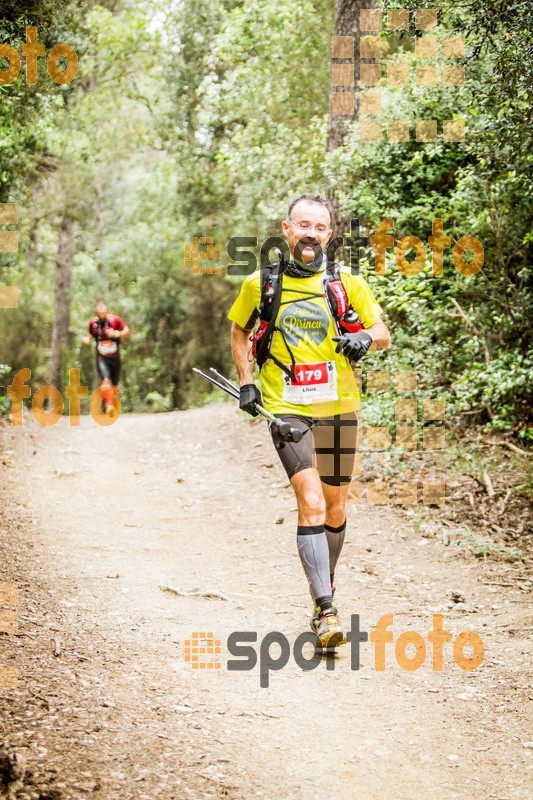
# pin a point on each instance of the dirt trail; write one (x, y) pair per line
(99, 519)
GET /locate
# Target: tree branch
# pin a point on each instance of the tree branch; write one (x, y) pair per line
(475, 330)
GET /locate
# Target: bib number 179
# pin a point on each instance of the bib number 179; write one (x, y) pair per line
(311, 374)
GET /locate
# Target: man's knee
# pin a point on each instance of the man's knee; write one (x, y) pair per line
(312, 500)
(336, 497)
(336, 508)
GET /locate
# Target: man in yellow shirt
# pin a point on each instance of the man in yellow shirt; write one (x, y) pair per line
(308, 380)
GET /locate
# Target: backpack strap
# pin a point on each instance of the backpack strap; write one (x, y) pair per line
(268, 311)
(271, 291)
(99, 326)
(336, 292)
(346, 319)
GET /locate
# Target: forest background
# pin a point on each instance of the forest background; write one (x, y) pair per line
(195, 118)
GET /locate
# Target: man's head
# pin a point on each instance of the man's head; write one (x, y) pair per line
(101, 310)
(307, 227)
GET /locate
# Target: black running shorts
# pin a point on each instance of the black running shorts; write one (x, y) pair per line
(108, 368)
(328, 444)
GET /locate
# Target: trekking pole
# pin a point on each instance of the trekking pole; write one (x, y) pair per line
(233, 392)
(223, 378)
(288, 433)
(293, 434)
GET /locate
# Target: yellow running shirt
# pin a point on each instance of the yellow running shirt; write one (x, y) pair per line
(326, 382)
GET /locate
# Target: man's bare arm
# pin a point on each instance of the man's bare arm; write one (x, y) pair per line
(115, 333)
(240, 346)
(380, 336)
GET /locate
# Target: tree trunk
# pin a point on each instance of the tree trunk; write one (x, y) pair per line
(64, 261)
(31, 250)
(346, 24)
(100, 233)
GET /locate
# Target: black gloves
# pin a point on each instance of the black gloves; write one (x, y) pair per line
(353, 345)
(250, 395)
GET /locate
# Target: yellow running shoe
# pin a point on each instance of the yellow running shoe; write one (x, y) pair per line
(326, 625)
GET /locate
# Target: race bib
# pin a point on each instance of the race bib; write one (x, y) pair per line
(312, 382)
(107, 348)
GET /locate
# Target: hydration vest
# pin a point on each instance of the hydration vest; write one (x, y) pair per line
(100, 326)
(345, 318)
(104, 346)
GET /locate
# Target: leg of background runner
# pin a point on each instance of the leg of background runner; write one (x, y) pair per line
(104, 372)
(115, 399)
(311, 538)
(115, 378)
(107, 392)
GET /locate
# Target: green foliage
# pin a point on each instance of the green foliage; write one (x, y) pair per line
(5, 372)
(483, 546)
(467, 337)
(26, 112)
(202, 118)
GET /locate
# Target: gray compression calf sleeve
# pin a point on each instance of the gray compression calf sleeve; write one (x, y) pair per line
(335, 538)
(314, 555)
